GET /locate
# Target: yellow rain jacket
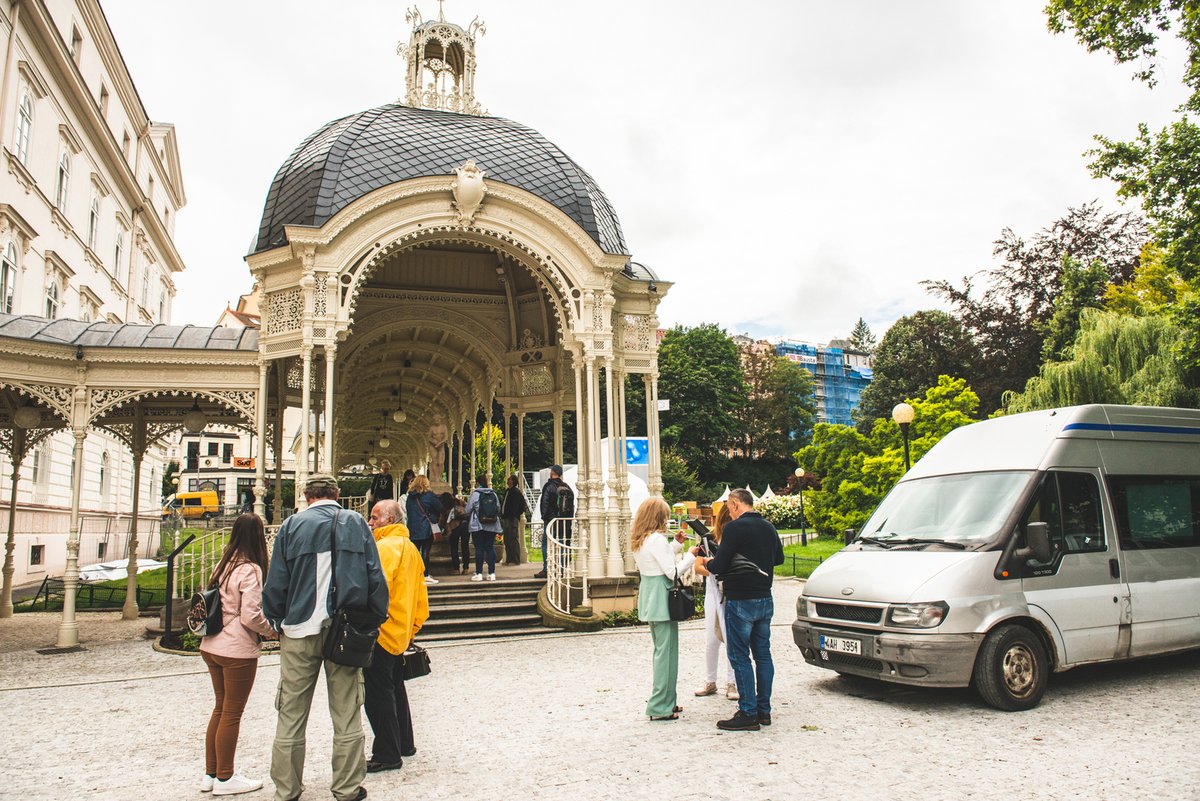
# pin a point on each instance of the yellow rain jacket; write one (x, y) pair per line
(408, 599)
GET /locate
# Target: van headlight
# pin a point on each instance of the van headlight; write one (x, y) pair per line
(918, 616)
(802, 607)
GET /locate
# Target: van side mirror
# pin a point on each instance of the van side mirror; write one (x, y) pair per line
(849, 535)
(1037, 538)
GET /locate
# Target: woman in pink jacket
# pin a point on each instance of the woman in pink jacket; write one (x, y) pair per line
(232, 653)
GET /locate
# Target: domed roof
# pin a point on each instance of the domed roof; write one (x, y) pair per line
(350, 157)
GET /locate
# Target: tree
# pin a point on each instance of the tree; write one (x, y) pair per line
(1115, 359)
(168, 480)
(780, 407)
(914, 352)
(1083, 287)
(680, 482)
(1008, 319)
(856, 470)
(1131, 30)
(700, 373)
(861, 338)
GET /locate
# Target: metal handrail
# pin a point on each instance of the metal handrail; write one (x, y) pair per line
(198, 560)
(566, 564)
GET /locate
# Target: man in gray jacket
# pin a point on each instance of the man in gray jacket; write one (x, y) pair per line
(298, 602)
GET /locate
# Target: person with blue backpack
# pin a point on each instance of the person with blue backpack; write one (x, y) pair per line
(483, 511)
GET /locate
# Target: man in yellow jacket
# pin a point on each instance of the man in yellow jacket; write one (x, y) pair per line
(408, 609)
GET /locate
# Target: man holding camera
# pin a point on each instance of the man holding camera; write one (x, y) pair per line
(745, 562)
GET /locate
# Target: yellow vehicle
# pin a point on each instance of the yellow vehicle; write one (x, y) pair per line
(203, 504)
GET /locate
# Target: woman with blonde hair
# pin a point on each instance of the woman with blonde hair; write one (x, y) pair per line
(714, 625)
(422, 509)
(655, 554)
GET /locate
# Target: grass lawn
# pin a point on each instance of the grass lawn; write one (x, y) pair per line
(802, 560)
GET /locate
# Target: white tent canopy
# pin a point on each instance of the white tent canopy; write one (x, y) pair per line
(767, 495)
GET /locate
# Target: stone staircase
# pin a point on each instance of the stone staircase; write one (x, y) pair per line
(480, 610)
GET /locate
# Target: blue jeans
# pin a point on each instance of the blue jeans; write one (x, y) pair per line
(485, 548)
(748, 631)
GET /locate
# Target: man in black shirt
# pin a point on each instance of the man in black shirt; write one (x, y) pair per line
(381, 485)
(745, 562)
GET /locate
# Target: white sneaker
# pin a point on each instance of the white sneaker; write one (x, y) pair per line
(236, 784)
(206, 784)
(430, 580)
(477, 577)
(491, 576)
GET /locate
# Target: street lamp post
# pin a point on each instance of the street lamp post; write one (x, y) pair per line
(903, 414)
(800, 489)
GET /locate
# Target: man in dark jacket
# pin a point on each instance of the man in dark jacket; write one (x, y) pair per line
(745, 562)
(512, 507)
(298, 600)
(558, 500)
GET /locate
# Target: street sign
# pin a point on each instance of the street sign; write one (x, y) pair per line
(664, 404)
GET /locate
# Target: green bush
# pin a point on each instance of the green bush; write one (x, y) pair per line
(783, 511)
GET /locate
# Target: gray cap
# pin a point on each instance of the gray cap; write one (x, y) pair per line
(321, 480)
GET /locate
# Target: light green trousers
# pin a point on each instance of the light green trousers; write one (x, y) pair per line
(300, 662)
(665, 636)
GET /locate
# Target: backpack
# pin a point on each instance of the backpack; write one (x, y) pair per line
(489, 506)
(565, 500)
(204, 617)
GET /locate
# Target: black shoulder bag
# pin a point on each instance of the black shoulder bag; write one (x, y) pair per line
(681, 600)
(353, 630)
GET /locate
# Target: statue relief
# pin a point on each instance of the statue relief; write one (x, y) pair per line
(437, 438)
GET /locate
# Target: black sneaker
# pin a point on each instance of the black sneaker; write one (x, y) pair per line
(764, 720)
(540, 574)
(377, 767)
(739, 722)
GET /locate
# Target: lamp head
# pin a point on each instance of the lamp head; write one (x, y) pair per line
(903, 413)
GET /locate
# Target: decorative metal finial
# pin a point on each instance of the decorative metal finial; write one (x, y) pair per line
(440, 63)
(441, 10)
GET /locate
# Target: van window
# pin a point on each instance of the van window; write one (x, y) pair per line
(193, 501)
(1157, 511)
(1069, 504)
(968, 507)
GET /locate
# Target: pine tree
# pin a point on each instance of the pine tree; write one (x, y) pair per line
(861, 337)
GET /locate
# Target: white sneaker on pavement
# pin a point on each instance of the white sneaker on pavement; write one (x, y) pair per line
(477, 577)
(430, 580)
(491, 576)
(236, 784)
(206, 784)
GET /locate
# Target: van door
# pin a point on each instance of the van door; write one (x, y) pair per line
(1159, 522)
(1080, 589)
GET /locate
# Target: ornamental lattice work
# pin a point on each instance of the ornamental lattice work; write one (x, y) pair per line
(636, 335)
(536, 380)
(284, 311)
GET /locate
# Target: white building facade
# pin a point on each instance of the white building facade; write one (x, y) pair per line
(89, 192)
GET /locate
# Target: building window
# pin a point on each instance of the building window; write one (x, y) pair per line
(101, 551)
(104, 475)
(150, 190)
(125, 142)
(52, 300)
(41, 465)
(8, 277)
(76, 44)
(37, 555)
(93, 222)
(162, 305)
(64, 181)
(103, 100)
(145, 286)
(227, 453)
(118, 254)
(212, 448)
(24, 126)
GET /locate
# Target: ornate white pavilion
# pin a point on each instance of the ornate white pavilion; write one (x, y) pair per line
(418, 264)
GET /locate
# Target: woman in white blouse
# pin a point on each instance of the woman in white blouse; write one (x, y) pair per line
(656, 554)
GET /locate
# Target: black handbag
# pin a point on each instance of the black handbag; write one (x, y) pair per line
(681, 601)
(416, 662)
(204, 617)
(353, 630)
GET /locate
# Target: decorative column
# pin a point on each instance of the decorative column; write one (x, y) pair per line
(130, 609)
(488, 431)
(302, 462)
(558, 433)
(68, 629)
(582, 501)
(521, 445)
(330, 357)
(614, 566)
(19, 438)
(596, 505)
(654, 467)
(474, 451)
(260, 425)
(507, 417)
(281, 371)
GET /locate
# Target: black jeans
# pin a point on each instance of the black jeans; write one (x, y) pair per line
(485, 547)
(423, 547)
(459, 539)
(386, 702)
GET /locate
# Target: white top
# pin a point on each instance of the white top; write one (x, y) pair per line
(656, 557)
(320, 615)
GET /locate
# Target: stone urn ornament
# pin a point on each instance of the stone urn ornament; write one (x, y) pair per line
(468, 190)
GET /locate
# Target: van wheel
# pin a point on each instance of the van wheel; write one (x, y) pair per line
(1011, 669)
(209, 515)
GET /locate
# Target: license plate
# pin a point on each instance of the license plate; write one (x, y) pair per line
(840, 644)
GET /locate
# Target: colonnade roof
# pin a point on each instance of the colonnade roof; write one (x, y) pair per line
(355, 155)
(127, 335)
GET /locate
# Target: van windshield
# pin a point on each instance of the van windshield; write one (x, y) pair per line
(961, 510)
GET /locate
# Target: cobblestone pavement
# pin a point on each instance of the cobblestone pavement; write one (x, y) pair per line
(561, 717)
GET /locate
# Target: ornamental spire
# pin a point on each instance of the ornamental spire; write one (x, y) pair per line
(440, 63)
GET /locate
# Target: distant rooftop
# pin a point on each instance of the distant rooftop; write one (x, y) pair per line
(127, 335)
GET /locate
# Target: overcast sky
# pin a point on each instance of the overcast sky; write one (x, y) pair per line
(790, 165)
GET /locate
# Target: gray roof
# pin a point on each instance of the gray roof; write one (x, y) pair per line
(127, 335)
(350, 157)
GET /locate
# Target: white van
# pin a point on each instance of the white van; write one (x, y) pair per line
(1020, 546)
